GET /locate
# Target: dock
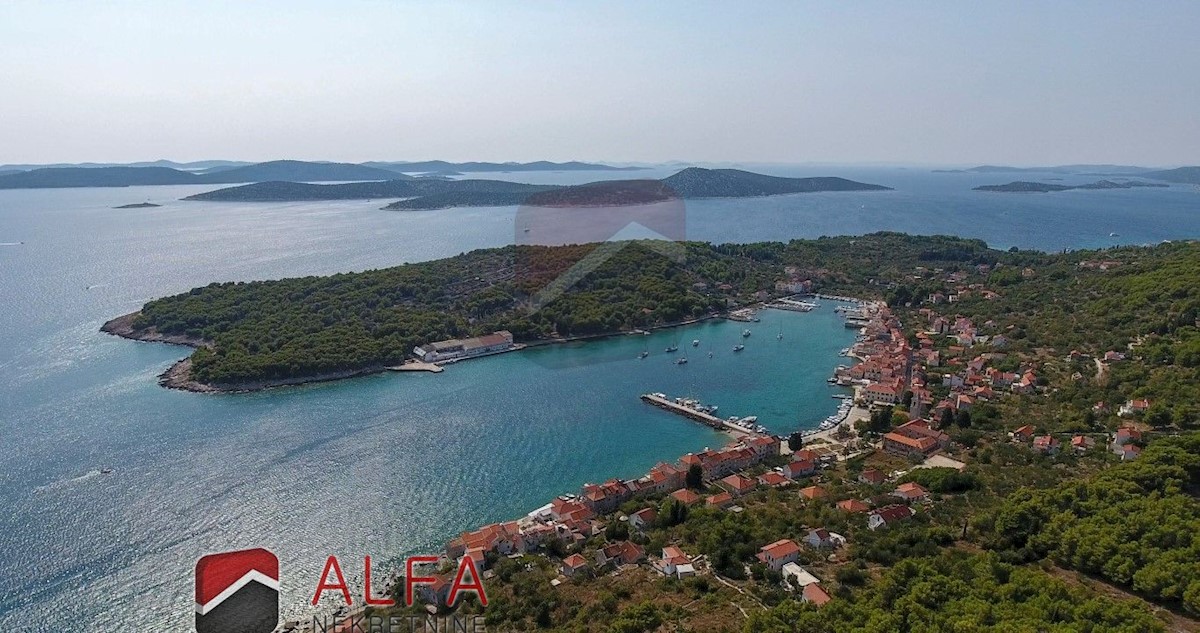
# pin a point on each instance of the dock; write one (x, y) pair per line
(416, 365)
(792, 305)
(703, 417)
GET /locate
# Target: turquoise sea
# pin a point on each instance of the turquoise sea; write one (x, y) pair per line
(390, 464)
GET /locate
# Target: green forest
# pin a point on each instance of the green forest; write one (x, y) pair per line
(294, 328)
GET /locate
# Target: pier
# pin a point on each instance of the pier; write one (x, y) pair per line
(663, 402)
(792, 305)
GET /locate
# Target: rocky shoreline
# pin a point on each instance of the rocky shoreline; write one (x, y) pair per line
(178, 376)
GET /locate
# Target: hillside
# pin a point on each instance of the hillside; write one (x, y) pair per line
(96, 177)
(299, 191)
(541, 165)
(1185, 175)
(697, 182)
(693, 182)
(300, 171)
(1022, 186)
(599, 194)
(1056, 169)
(65, 177)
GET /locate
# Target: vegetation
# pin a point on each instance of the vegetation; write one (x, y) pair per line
(1136, 524)
(958, 592)
(1019, 539)
(436, 193)
(299, 328)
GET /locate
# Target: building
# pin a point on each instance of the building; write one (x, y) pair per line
(779, 553)
(899, 444)
(911, 491)
(881, 393)
(773, 480)
(853, 505)
(815, 595)
(915, 437)
(1081, 443)
(620, 553)
(573, 564)
(686, 497)
(885, 516)
(799, 468)
(437, 592)
(872, 476)
(737, 485)
(1023, 434)
(796, 576)
(454, 349)
(1133, 407)
(813, 493)
(675, 563)
(820, 538)
(643, 519)
(720, 500)
(1047, 444)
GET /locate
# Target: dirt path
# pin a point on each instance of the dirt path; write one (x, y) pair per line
(1176, 622)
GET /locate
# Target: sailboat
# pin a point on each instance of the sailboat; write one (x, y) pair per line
(780, 335)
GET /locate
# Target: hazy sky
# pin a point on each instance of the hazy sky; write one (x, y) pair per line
(909, 82)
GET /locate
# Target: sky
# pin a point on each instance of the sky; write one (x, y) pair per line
(928, 83)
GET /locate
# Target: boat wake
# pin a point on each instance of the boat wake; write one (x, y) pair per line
(63, 483)
(11, 243)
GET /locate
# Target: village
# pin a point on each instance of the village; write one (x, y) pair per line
(910, 393)
(894, 373)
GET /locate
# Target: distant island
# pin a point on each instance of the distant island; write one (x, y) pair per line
(1182, 175)
(221, 172)
(1022, 186)
(423, 194)
(139, 205)
(1056, 169)
(446, 168)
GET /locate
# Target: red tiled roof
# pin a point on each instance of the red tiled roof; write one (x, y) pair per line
(685, 496)
(781, 549)
(853, 505)
(815, 594)
(813, 492)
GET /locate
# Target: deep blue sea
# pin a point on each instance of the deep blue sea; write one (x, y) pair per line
(390, 464)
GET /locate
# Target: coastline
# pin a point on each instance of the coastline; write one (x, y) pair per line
(178, 375)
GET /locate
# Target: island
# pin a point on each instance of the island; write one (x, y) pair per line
(427, 193)
(1182, 175)
(228, 172)
(1022, 186)
(139, 205)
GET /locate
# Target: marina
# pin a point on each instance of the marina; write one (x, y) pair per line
(705, 414)
(793, 305)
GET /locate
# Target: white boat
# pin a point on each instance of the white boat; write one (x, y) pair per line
(680, 361)
(672, 348)
(739, 347)
(643, 354)
(695, 342)
(745, 333)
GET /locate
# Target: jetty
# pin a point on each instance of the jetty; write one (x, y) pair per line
(416, 365)
(692, 410)
(792, 305)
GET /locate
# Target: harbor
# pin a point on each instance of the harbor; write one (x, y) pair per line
(693, 410)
